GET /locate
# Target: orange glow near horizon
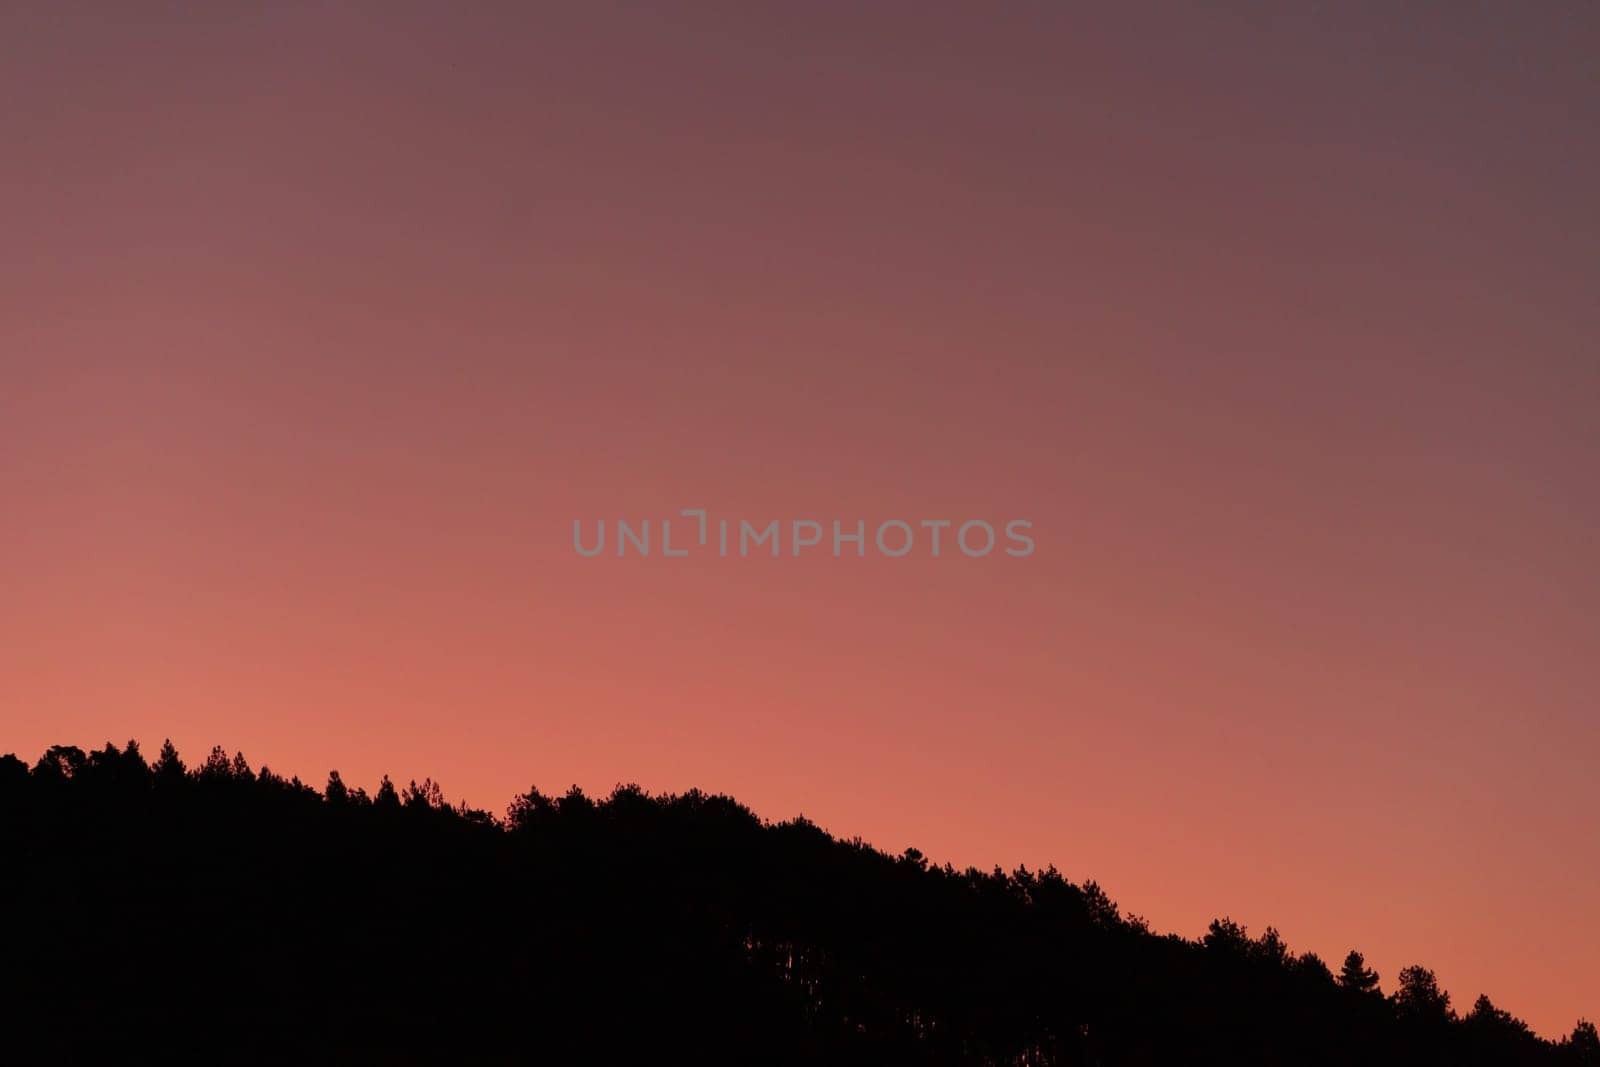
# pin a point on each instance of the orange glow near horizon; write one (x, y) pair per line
(319, 328)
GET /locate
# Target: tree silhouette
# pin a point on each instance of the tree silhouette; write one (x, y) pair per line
(1356, 975)
(1583, 1044)
(257, 919)
(59, 763)
(1419, 996)
(1310, 964)
(426, 795)
(169, 768)
(386, 797)
(13, 774)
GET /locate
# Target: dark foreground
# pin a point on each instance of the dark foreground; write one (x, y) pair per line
(161, 913)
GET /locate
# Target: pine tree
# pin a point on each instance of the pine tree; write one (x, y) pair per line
(386, 797)
(1583, 1044)
(169, 769)
(217, 767)
(336, 793)
(1356, 975)
(1419, 995)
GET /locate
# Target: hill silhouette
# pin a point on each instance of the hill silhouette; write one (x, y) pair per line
(159, 912)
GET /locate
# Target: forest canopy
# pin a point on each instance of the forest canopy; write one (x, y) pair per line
(225, 911)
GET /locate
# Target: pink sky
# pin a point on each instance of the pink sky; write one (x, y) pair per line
(318, 328)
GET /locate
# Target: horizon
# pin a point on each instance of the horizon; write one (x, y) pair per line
(1256, 926)
(322, 327)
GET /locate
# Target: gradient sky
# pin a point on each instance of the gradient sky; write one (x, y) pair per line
(320, 323)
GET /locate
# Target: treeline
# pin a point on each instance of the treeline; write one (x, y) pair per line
(220, 913)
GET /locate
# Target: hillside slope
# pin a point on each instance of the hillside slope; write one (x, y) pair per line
(160, 911)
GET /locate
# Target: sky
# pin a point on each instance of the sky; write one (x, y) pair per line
(320, 324)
